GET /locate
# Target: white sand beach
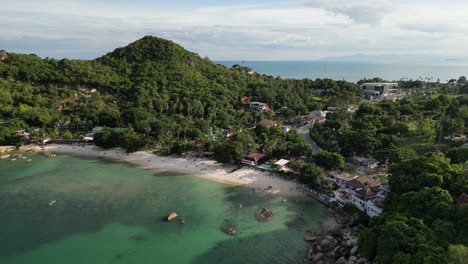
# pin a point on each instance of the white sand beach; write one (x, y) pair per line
(199, 167)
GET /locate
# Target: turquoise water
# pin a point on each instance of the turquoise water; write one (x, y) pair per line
(109, 212)
(355, 71)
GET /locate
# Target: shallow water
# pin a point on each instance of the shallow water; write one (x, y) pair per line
(109, 212)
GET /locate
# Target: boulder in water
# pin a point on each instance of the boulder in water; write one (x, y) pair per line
(265, 213)
(171, 216)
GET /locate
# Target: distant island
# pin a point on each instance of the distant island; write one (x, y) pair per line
(389, 155)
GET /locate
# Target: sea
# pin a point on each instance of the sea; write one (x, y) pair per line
(110, 212)
(354, 71)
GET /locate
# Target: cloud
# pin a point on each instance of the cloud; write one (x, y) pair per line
(268, 30)
(364, 12)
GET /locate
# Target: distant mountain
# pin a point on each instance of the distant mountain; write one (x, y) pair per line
(395, 58)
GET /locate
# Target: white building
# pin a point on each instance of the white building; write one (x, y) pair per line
(366, 194)
(260, 107)
(378, 88)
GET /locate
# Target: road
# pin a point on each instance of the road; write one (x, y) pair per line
(304, 132)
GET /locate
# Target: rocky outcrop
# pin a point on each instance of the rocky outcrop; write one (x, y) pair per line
(335, 246)
(4, 149)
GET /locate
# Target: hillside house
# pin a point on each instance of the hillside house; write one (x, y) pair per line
(259, 107)
(367, 163)
(268, 122)
(462, 199)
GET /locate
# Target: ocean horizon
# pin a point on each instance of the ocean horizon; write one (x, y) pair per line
(354, 71)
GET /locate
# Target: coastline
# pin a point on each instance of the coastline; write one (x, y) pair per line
(197, 167)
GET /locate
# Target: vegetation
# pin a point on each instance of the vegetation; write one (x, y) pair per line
(417, 138)
(390, 131)
(171, 100)
(163, 92)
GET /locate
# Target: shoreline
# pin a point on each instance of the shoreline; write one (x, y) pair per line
(202, 168)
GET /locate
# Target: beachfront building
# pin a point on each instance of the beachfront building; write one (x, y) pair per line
(254, 159)
(339, 177)
(378, 89)
(364, 193)
(281, 165)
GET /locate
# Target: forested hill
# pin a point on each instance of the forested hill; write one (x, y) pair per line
(153, 86)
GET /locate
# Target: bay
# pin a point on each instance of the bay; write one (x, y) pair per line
(109, 212)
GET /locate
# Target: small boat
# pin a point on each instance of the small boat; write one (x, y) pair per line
(171, 216)
(51, 203)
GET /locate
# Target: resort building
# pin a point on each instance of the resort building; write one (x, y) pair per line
(378, 89)
(365, 194)
(340, 177)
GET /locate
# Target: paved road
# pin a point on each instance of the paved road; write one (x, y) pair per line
(304, 132)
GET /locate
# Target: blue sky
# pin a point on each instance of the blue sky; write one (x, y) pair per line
(239, 30)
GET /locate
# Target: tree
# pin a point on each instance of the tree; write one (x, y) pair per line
(226, 153)
(400, 239)
(457, 254)
(108, 138)
(311, 175)
(461, 80)
(458, 155)
(427, 204)
(430, 170)
(329, 160)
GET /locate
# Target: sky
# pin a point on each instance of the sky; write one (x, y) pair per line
(240, 29)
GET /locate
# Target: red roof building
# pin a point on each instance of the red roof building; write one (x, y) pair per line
(245, 100)
(268, 122)
(254, 158)
(462, 199)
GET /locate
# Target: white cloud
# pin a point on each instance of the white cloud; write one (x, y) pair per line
(366, 12)
(249, 31)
